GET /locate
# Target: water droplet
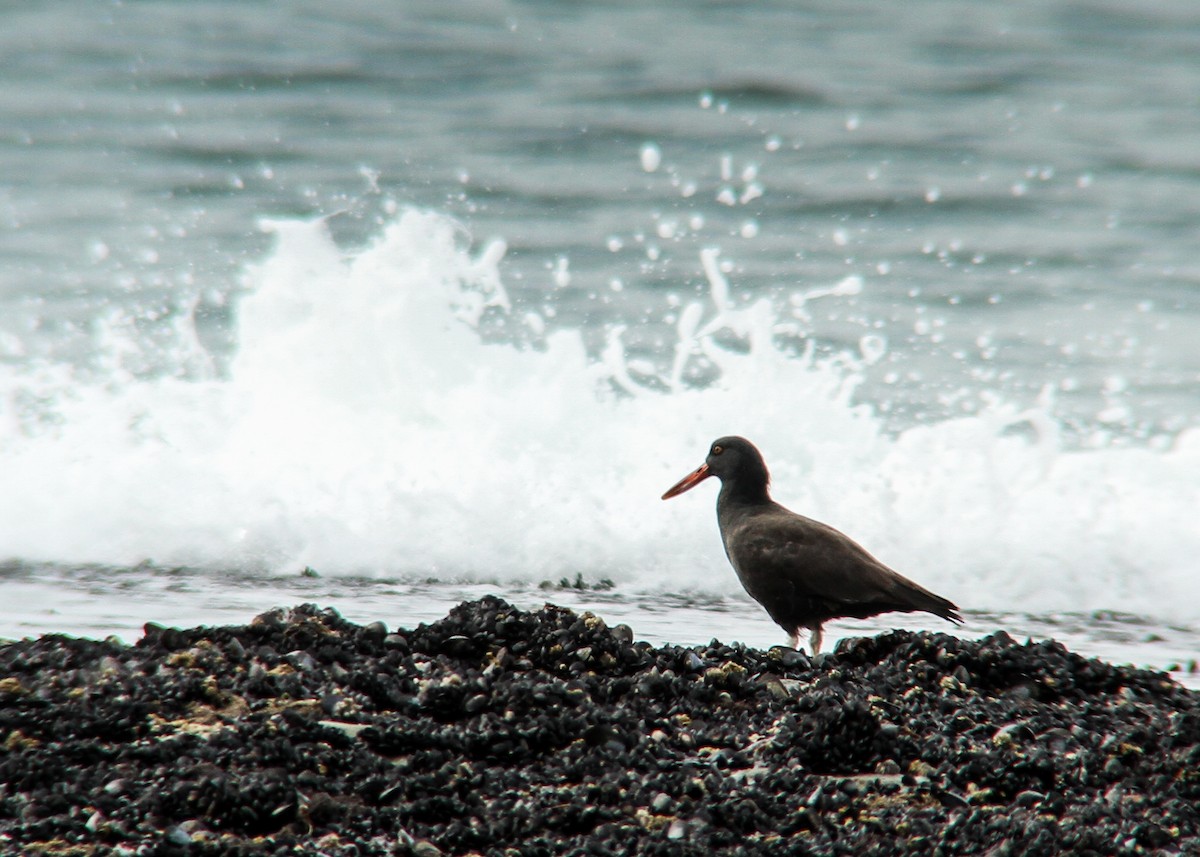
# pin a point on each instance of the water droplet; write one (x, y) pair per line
(651, 157)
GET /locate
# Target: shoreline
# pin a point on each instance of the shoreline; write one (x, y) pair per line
(97, 602)
(548, 732)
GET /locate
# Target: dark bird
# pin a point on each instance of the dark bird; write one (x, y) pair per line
(801, 571)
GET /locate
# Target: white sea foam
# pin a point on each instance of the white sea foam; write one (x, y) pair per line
(365, 427)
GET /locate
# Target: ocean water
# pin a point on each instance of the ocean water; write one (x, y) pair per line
(388, 306)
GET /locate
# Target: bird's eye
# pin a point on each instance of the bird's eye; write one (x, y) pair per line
(717, 450)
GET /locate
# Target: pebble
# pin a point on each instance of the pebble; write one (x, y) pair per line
(501, 731)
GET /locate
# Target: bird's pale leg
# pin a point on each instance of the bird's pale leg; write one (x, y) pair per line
(814, 639)
(794, 639)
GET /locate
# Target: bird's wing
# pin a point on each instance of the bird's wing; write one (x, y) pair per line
(810, 560)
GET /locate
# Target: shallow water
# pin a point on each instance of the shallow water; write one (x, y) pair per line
(406, 294)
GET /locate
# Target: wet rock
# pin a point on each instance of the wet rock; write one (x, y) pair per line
(496, 730)
(375, 630)
(178, 836)
(789, 658)
(1029, 798)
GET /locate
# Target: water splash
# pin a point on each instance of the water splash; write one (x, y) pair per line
(365, 427)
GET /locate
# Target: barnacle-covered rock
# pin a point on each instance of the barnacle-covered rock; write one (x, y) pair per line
(497, 730)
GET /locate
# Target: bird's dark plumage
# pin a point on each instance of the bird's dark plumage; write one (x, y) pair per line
(803, 572)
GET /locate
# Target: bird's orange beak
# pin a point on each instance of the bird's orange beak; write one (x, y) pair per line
(688, 482)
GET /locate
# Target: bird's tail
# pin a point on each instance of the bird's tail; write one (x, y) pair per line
(922, 599)
(940, 606)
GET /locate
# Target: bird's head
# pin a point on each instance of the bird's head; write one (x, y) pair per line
(731, 459)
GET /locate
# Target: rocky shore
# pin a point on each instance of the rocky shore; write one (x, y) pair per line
(502, 732)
